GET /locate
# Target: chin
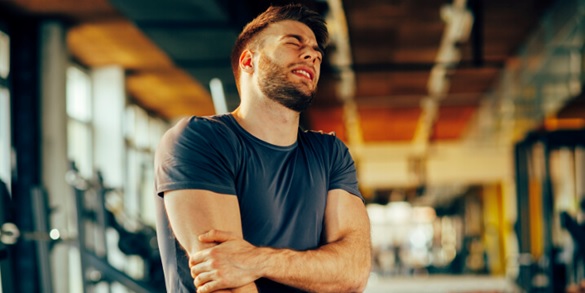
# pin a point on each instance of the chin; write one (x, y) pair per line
(307, 90)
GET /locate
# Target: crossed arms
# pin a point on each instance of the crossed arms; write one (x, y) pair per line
(208, 226)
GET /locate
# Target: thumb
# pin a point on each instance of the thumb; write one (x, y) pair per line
(216, 236)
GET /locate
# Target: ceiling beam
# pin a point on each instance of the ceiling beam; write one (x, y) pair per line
(341, 60)
(220, 63)
(458, 21)
(422, 66)
(183, 24)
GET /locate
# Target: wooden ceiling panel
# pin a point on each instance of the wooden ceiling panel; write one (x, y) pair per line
(386, 31)
(406, 101)
(115, 42)
(328, 120)
(472, 80)
(382, 35)
(327, 92)
(432, 32)
(391, 83)
(458, 100)
(366, 14)
(394, 44)
(501, 48)
(399, 35)
(403, 55)
(366, 17)
(170, 92)
(504, 26)
(101, 37)
(371, 55)
(178, 110)
(76, 9)
(575, 108)
(416, 55)
(451, 122)
(388, 124)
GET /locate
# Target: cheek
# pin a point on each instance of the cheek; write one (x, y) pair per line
(286, 56)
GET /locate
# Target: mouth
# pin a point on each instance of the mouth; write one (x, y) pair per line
(304, 73)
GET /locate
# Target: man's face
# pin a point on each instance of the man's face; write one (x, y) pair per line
(289, 64)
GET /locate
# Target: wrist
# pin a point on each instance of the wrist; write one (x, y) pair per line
(274, 262)
(266, 256)
(263, 257)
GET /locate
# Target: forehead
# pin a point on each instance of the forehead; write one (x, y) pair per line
(289, 27)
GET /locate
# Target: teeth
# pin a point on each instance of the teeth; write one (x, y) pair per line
(308, 75)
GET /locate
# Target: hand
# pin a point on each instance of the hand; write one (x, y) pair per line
(229, 264)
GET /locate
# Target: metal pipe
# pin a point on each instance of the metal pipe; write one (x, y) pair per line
(41, 224)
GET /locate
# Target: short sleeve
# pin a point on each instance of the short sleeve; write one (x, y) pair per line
(197, 153)
(343, 172)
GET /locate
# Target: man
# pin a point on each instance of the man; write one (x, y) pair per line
(256, 204)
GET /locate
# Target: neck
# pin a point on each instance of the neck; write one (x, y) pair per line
(268, 121)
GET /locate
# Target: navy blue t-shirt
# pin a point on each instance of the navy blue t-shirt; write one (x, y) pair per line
(282, 191)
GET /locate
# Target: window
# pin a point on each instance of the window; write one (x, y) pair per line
(5, 131)
(79, 129)
(5, 126)
(142, 134)
(5, 134)
(4, 55)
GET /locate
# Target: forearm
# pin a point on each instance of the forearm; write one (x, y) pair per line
(341, 266)
(249, 288)
(193, 212)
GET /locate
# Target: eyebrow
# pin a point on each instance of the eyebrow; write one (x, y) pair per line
(301, 39)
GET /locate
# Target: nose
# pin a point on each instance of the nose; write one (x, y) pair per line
(311, 55)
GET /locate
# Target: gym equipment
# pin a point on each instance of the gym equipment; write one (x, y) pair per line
(94, 217)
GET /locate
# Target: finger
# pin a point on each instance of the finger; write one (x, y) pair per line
(208, 287)
(203, 278)
(216, 236)
(198, 257)
(198, 269)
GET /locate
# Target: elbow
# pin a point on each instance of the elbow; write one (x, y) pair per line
(361, 282)
(362, 276)
(358, 281)
(348, 285)
(361, 287)
(352, 286)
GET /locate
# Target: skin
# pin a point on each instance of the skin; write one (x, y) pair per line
(208, 224)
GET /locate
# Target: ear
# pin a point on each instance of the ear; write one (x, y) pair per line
(246, 61)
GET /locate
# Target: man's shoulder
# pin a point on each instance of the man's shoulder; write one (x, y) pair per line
(326, 141)
(321, 136)
(319, 133)
(200, 125)
(201, 122)
(199, 130)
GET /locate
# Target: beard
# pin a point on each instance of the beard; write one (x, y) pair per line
(274, 84)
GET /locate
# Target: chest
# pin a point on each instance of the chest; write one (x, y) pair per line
(294, 177)
(282, 191)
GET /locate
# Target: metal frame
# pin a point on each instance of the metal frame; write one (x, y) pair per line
(91, 259)
(529, 267)
(6, 283)
(6, 278)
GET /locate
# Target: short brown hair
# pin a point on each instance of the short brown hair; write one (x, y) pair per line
(274, 14)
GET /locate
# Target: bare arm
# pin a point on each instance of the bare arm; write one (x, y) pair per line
(342, 265)
(193, 212)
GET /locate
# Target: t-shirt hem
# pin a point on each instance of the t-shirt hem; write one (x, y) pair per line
(352, 191)
(190, 185)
